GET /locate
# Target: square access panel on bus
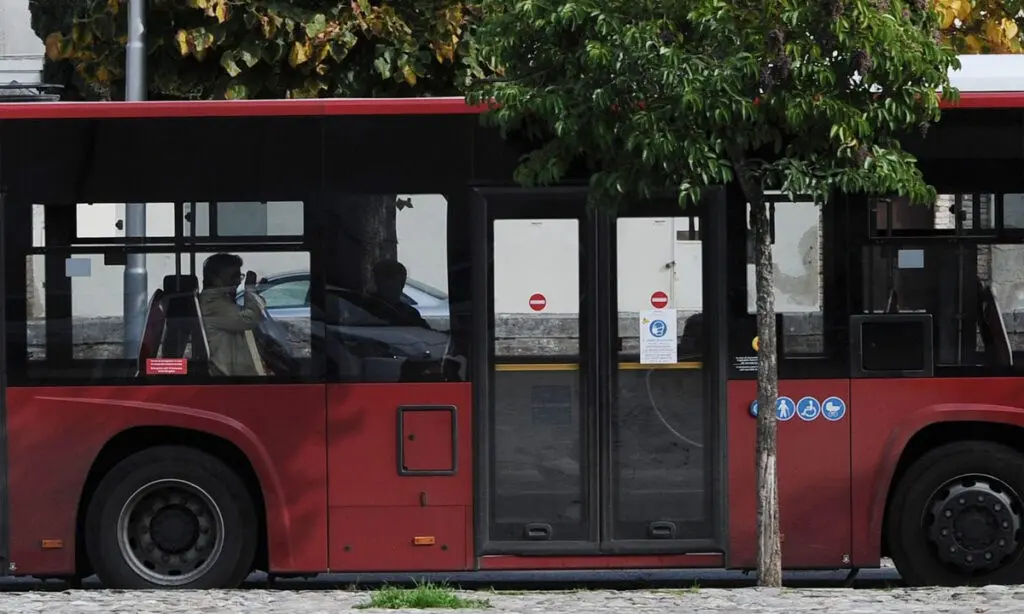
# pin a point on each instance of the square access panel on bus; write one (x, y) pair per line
(427, 440)
(891, 345)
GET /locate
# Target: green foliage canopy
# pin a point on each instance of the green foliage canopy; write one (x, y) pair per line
(201, 49)
(802, 96)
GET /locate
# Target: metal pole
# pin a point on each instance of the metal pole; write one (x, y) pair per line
(136, 278)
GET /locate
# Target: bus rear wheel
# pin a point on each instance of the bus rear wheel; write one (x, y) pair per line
(171, 517)
(957, 517)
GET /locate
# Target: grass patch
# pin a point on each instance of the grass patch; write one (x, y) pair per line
(422, 596)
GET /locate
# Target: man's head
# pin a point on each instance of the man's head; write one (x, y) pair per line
(389, 279)
(222, 271)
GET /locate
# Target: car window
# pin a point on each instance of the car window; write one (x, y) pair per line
(408, 300)
(286, 294)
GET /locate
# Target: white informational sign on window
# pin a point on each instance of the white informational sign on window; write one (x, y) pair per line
(658, 342)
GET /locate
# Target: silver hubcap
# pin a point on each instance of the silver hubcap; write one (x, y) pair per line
(170, 532)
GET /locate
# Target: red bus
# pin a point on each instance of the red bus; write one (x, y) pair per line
(437, 370)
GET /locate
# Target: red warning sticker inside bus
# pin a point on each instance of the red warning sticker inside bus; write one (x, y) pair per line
(166, 366)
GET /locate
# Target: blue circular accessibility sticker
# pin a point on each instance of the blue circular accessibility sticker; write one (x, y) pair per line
(833, 409)
(808, 409)
(658, 328)
(784, 408)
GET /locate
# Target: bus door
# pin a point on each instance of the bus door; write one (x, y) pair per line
(595, 434)
(814, 466)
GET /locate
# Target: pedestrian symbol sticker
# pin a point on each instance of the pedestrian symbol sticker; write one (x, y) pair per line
(833, 409)
(784, 408)
(808, 408)
(658, 328)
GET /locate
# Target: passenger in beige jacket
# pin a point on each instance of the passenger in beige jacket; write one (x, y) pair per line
(226, 323)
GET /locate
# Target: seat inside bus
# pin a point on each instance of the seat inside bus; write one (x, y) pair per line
(174, 326)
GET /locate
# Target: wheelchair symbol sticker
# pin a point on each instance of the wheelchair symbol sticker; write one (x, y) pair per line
(658, 328)
(808, 408)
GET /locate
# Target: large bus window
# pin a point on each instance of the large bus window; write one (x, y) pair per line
(75, 304)
(386, 306)
(797, 258)
(972, 289)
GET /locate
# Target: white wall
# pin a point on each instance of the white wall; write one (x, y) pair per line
(21, 51)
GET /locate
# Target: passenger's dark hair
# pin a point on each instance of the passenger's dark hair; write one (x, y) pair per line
(215, 265)
(389, 269)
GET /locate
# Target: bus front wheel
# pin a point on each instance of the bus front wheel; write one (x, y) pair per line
(171, 517)
(957, 517)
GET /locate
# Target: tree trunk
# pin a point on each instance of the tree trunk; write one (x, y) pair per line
(367, 234)
(769, 539)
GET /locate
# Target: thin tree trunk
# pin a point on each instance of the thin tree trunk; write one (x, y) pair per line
(769, 542)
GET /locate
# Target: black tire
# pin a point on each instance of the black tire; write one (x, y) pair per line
(950, 511)
(182, 536)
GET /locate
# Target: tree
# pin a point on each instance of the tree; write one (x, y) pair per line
(202, 49)
(678, 95)
(982, 26)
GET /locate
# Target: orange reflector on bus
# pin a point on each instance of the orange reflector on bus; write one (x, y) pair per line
(52, 544)
(423, 540)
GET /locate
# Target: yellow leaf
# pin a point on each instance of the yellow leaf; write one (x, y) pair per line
(54, 46)
(222, 12)
(113, 6)
(410, 76)
(103, 75)
(298, 54)
(947, 16)
(1010, 28)
(973, 43)
(181, 37)
(963, 10)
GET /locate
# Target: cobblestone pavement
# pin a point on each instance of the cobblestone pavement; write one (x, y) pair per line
(986, 600)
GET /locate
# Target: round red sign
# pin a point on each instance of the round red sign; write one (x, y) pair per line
(659, 299)
(538, 302)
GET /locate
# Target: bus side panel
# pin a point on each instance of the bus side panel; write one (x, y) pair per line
(400, 467)
(889, 413)
(57, 433)
(813, 473)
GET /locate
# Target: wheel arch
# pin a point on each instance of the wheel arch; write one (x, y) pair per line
(137, 439)
(940, 433)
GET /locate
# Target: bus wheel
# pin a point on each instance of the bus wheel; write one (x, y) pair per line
(171, 517)
(957, 517)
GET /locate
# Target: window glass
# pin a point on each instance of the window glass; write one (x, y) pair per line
(190, 323)
(382, 250)
(974, 292)
(243, 219)
(797, 256)
(292, 293)
(107, 220)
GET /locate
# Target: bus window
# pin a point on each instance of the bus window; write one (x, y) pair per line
(75, 324)
(972, 287)
(797, 256)
(386, 306)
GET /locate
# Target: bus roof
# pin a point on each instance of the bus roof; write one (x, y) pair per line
(984, 81)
